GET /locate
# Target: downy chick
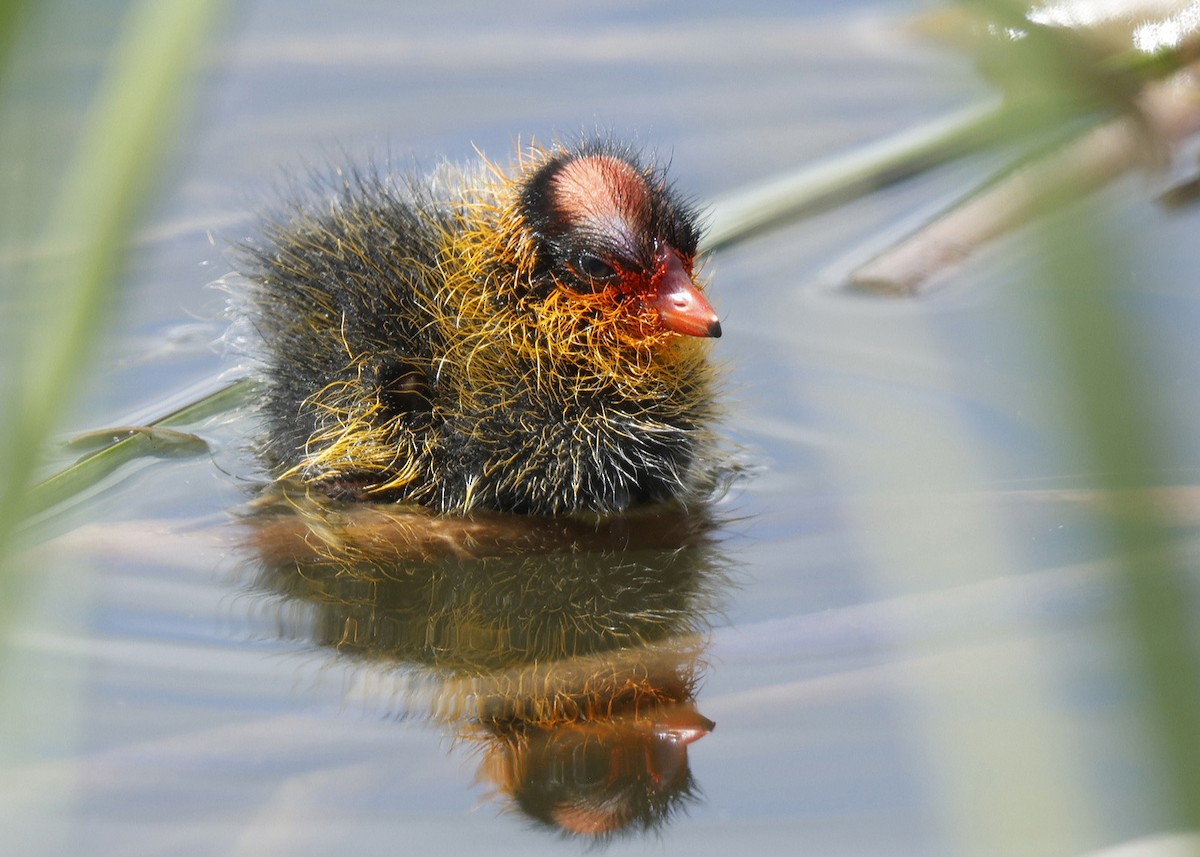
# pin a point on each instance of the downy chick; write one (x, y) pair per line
(531, 340)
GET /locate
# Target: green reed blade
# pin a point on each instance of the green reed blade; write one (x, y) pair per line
(69, 283)
(125, 444)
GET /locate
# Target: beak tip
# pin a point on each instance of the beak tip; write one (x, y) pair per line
(680, 304)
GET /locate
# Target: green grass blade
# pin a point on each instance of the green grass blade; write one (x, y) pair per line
(127, 444)
(66, 288)
(814, 187)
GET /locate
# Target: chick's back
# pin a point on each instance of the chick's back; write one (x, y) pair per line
(338, 286)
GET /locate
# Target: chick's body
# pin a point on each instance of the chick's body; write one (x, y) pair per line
(530, 341)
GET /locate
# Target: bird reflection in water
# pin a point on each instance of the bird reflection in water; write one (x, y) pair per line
(568, 651)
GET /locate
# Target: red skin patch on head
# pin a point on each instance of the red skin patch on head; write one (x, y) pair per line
(603, 189)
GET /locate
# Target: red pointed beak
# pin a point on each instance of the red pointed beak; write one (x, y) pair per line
(681, 307)
(672, 735)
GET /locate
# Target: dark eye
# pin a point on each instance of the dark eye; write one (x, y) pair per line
(594, 268)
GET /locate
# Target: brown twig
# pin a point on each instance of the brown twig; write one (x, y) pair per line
(1169, 112)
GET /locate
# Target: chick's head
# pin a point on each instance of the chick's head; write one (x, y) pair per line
(608, 227)
(582, 262)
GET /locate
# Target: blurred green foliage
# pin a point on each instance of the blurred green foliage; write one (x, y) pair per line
(82, 151)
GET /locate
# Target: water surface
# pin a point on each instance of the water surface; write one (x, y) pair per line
(182, 695)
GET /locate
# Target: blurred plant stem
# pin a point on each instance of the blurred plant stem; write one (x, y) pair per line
(119, 446)
(1075, 113)
(1119, 427)
(1117, 414)
(808, 189)
(62, 272)
(1168, 113)
(10, 15)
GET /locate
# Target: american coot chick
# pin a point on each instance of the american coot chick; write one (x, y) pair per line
(529, 340)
